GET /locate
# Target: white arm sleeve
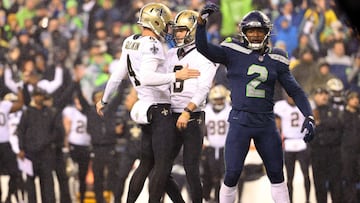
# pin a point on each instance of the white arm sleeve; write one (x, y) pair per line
(115, 79)
(51, 86)
(207, 74)
(149, 76)
(10, 83)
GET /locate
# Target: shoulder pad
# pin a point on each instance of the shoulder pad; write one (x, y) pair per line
(137, 36)
(278, 51)
(235, 44)
(231, 40)
(228, 40)
(279, 55)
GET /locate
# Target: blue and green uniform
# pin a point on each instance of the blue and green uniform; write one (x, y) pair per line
(252, 76)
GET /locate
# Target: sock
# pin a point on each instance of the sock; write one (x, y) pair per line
(280, 193)
(227, 194)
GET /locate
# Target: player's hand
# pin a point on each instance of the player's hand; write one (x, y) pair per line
(21, 154)
(99, 107)
(187, 73)
(183, 120)
(208, 10)
(309, 128)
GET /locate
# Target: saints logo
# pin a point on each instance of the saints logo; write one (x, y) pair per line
(154, 49)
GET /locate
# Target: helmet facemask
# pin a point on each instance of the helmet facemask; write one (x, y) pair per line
(256, 45)
(185, 21)
(255, 20)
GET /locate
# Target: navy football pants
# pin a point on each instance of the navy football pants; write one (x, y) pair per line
(268, 144)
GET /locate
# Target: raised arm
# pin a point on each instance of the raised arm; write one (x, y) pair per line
(213, 52)
(18, 104)
(52, 86)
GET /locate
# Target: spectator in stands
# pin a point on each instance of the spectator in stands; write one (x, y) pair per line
(322, 75)
(305, 69)
(354, 75)
(340, 63)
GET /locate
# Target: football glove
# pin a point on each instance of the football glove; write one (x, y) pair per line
(309, 128)
(208, 10)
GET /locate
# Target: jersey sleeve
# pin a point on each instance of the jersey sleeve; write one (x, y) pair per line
(6, 106)
(207, 74)
(288, 82)
(277, 108)
(66, 112)
(153, 56)
(213, 52)
(120, 72)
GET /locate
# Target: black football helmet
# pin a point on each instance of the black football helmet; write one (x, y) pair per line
(255, 19)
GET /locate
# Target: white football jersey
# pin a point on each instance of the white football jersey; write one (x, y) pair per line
(5, 107)
(78, 132)
(13, 122)
(143, 60)
(193, 90)
(217, 125)
(291, 123)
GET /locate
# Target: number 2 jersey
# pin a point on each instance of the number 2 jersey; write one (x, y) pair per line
(291, 123)
(143, 60)
(193, 90)
(78, 134)
(252, 77)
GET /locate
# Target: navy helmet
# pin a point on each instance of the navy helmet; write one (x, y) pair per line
(255, 19)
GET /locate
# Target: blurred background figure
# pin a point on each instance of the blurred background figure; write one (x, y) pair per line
(289, 120)
(325, 148)
(217, 111)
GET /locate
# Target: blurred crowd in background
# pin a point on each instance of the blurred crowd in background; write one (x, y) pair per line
(89, 33)
(49, 43)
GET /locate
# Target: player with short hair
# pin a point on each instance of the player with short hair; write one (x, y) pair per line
(143, 59)
(253, 69)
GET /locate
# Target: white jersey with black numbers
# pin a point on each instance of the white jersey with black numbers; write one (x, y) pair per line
(143, 60)
(217, 125)
(5, 107)
(78, 132)
(193, 90)
(291, 123)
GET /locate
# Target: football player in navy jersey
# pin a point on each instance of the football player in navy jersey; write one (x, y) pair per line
(253, 68)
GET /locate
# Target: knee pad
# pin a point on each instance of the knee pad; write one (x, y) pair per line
(231, 178)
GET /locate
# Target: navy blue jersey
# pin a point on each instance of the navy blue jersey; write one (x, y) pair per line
(252, 76)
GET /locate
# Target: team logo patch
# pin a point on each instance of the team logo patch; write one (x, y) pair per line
(154, 49)
(165, 112)
(135, 132)
(261, 58)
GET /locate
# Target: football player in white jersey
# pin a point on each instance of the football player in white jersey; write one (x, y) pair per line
(188, 97)
(77, 141)
(143, 59)
(289, 120)
(8, 161)
(217, 112)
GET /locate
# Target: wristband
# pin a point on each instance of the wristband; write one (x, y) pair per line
(186, 109)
